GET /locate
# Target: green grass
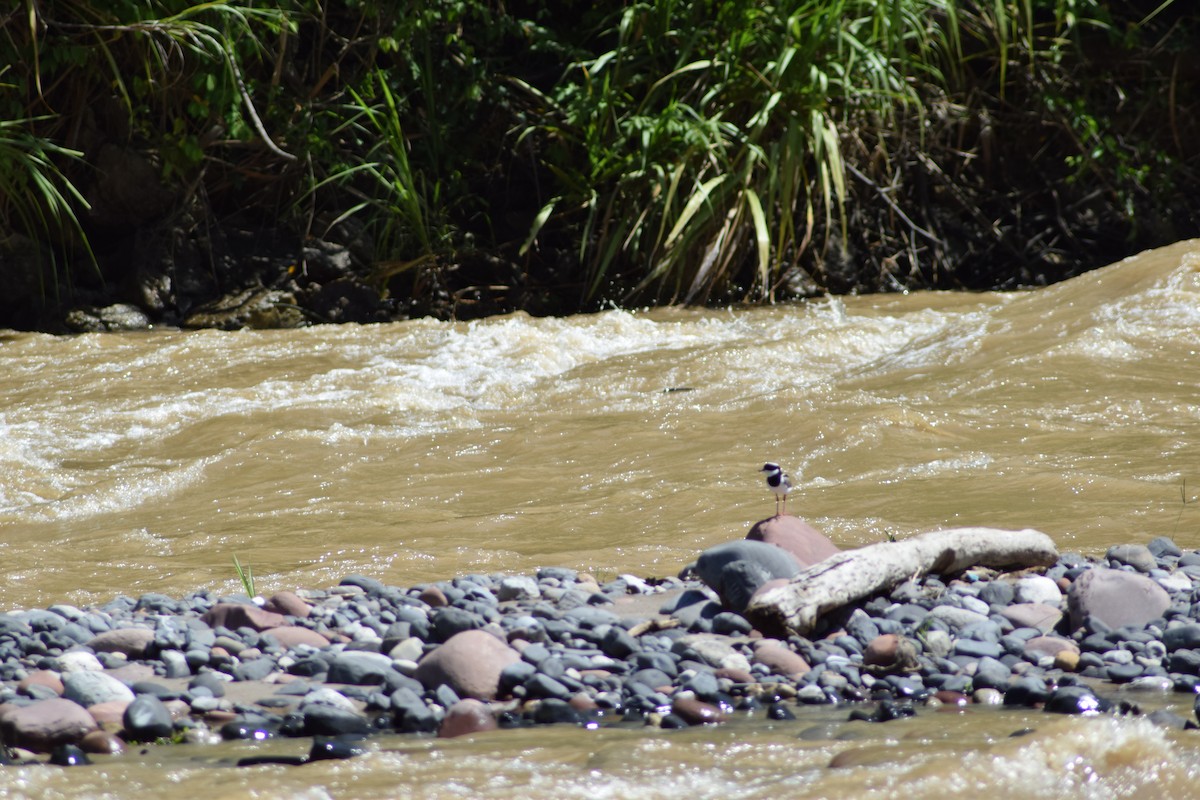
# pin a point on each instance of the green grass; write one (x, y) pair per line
(246, 576)
(685, 151)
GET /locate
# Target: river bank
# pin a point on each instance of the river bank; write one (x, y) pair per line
(1085, 636)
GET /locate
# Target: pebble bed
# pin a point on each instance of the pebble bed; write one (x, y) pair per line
(357, 659)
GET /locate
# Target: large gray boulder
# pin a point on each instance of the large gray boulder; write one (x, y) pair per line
(735, 570)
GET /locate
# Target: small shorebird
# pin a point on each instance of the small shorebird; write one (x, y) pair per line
(779, 484)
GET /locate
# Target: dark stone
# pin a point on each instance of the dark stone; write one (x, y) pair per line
(255, 669)
(555, 710)
(541, 685)
(991, 674)
(735, 570)
(323, 720)
(1185, 661)
(1182, 637)
(1028, 691)
(658, 660)
(147, 719)
(976, 649)
(778, 711)
(1076, 700)
(617, 643)
(997, 593)
(448, 621)
(210, 682)
(248, 729)
(729, 624)
(155, 689)
(1163, 546)
(886, 711)
(1124, 673)
(69, 755)
(371, 586)
(359, 668)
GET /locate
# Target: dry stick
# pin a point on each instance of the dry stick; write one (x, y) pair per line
(855, 574)
(250, 110)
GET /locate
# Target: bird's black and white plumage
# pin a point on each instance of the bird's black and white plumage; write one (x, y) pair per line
(779, 484)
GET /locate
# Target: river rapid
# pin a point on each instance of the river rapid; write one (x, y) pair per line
(618, 442)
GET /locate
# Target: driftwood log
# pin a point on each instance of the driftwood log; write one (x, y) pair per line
(854, 574)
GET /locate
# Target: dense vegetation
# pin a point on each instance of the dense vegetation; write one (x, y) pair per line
(552, 155)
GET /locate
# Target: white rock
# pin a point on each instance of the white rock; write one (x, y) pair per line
(78, 661)
(1037, 589)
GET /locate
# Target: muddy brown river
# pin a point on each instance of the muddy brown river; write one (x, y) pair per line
(620, 442)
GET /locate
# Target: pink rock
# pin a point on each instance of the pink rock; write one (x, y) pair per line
(133, 642)
(110, 713)
(780, 659)
(796, 536)
(736, 675)
(882, 651)
(469, 662)
(1040, 646)
(290, 636)
(288, 604)
(242, 615)
(696, 712)
(43, 677)
(466, 717)
(132, 673)
(102, 743)
(44, 725)
(581, 702)
(1033, 615)
(1116, 598)
(433, 597)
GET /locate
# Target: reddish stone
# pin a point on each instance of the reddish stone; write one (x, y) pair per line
(1116, 598)
(133, 642)
(696, 712)
(469, 662)
(433, 597)
(796, 536)
(43, 677)
(882, 650)
(581, 702)
(44, 725)
(1040, 646)
(132, 673)
(290, 636)
(780, 659)
(736, 675)
(1033, 615)
(110, 714)
(289, 604)
(242, 615)
(952, 698)
(102, 743)
(466, 717)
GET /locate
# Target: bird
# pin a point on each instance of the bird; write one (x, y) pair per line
(779, 484)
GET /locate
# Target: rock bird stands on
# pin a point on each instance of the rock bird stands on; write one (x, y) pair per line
(779, 484)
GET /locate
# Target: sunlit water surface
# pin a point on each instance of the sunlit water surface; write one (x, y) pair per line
(616, 442)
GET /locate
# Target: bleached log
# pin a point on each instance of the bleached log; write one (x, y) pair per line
(854, 574)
